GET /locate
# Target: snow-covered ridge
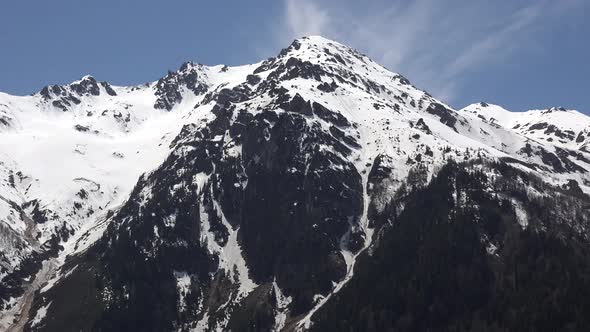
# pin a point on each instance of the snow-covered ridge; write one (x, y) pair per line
(556, 125)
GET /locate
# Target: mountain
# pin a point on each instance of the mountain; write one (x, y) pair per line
(315, 190)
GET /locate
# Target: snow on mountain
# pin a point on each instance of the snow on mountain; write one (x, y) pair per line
(83, 163)
(93, 150)
(555, 126)
(71, 153)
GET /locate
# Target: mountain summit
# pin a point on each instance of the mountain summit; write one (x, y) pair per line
(313, 190)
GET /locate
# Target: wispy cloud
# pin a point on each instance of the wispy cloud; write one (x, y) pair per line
(434, 43)
(305, 18)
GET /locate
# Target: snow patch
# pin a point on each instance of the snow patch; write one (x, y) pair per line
(183, 283)
(41, 313)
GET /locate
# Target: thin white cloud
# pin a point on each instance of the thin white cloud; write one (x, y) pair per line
(434, 43)
(305, 18)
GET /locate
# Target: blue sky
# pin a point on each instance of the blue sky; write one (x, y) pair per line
(519, 54)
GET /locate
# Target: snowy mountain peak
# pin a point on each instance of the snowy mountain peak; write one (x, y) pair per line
(189, 65)
(86, 77)
(65, 96)
(263, 182)
(320, 50)
(170, 89)
(554, 126)
(489, 112)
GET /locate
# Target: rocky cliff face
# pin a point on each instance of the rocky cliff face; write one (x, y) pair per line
(272, 196)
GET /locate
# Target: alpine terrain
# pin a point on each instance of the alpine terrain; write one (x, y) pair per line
(315, 190)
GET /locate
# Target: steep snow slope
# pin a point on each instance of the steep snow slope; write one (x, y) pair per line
(319, 116)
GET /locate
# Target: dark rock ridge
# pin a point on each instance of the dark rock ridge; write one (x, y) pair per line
(63, 97)
(446, 116)
(168, 89)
